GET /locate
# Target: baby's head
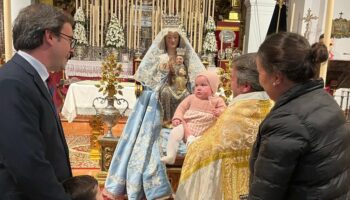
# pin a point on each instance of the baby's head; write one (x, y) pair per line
(179, 60)
(206, 84)
(83, 187)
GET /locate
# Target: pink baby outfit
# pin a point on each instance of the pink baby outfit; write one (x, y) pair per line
(196, 116)
(197, 113)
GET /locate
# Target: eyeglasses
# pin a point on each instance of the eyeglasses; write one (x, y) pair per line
(72, 40)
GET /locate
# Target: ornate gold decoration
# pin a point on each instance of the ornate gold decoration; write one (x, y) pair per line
(109, 83)
(137, 61)
(341, 27)
(108, 146)
(96, 124)
(235, 14)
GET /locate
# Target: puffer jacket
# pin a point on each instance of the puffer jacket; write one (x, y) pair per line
(302, 150)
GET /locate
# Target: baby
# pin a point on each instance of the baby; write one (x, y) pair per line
(195, 114)
(83, 187)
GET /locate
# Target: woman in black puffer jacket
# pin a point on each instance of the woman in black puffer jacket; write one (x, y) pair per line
(302, 150)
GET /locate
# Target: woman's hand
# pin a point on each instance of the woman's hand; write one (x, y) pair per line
(176, 122)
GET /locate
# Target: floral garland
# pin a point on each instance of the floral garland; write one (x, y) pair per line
(115, 33)
(209, 45)
(79, 32)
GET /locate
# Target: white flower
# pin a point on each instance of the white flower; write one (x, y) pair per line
(79, 15)
(209, 44)
(210, 25)
(79, 32)
(115, 33)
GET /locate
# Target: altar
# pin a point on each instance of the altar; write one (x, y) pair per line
(92, 69)
(80, 97)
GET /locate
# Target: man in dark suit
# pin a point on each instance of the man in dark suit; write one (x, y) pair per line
(33, 151)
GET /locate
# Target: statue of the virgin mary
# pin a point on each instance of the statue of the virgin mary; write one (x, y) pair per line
(136, 169)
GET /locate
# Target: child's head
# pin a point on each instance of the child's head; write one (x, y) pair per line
(179, 60)
(206, 84)
(83, 187)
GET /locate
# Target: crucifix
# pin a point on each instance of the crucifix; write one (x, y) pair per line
(308, 19)
(341, 15)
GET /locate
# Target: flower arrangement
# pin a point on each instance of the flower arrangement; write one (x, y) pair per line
(210, 25)
(209, 45)
(109, 83)
(79, 32)
(115, 33)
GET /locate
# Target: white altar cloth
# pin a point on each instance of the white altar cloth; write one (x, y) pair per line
(87, 68)
(80, 96)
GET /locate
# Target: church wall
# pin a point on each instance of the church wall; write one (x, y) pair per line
(258, 17)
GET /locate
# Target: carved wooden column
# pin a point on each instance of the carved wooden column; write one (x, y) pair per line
(108, 145)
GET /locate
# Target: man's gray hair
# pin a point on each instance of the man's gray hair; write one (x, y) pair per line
(31, 23)
(247, 71)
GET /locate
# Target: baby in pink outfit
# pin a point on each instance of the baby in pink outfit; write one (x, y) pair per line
(195, 113)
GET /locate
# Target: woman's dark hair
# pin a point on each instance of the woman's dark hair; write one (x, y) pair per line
(292, 55)
(81, 187)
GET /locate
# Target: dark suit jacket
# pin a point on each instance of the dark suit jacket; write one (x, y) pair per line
(33, 151)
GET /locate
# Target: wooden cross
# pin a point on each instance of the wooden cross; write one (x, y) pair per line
(307, 20)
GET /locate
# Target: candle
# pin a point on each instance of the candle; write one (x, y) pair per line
(139, 28)
(135, 28)
(112, 6)
(292, 18)
(93, 26)
(209, 5)
(152, 17)
(102, 21)
(221, 41)
(119, 10)
(213, 9)
(244, 46)
(90, 27)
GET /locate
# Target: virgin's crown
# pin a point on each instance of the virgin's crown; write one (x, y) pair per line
(181, 51)
(171, 21)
